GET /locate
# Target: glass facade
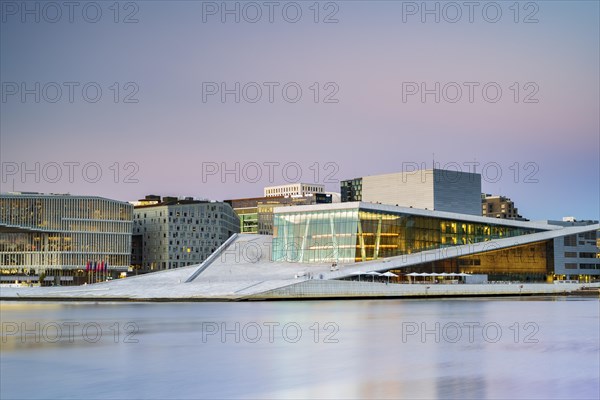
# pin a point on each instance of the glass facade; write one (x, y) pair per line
(256, 214)
(319, 236)
(265, 208)
(43, 233)
(354, 235)
(532, 262)
(248, 220)
(351, 190)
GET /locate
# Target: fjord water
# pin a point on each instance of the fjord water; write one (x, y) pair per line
(539, 347)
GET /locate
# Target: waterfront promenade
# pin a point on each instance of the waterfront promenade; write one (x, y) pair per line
(240, 270)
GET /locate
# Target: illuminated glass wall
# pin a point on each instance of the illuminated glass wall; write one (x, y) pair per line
(313, 237)
(248, 220)
(361, 235)
(529, 259)
(532, 262)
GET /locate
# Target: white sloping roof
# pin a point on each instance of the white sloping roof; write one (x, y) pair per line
(456, 251)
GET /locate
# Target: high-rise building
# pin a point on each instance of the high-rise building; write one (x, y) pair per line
(499, 207)
(61, 239)
(433, 189)
(175, 232)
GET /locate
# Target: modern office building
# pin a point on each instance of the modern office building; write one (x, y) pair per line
(256, 213)
(576, 254)
(247, 211)
(293, 189)
(351, 190)
(357, 232)
(499, 207)
(62, 239)
(433, 189)
(175, 232)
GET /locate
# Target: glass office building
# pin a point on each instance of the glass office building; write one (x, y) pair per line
(61, 238)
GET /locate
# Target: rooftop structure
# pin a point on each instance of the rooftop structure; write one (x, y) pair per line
(293, 189)
(433, 189)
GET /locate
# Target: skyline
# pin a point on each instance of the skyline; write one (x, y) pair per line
(373, 61)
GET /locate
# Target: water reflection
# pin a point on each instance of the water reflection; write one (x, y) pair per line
(475, 348)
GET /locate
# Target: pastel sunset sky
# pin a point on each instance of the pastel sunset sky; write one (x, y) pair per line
(537, 143)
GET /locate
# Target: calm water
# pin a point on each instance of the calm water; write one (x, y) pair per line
(487, 348)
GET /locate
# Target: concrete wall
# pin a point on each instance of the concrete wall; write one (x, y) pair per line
(323, 289)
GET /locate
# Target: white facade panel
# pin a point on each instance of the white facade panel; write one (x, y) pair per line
(441, 190)
(402, 189)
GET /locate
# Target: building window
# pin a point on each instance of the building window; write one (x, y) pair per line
(591, 235)
(570, 240)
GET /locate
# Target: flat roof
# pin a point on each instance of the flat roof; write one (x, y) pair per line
(416, 212)
(175, 203)
(423, 170)
(294, 184)
(33, 195)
